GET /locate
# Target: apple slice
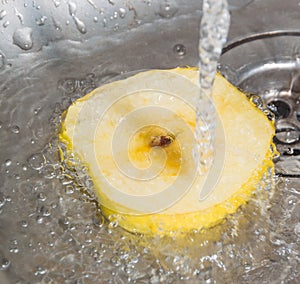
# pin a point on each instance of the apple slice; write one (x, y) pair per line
(135, 136)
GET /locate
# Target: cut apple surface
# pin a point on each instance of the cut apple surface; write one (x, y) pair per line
(135, 136)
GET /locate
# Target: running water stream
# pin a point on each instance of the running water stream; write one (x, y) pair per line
(214, 29)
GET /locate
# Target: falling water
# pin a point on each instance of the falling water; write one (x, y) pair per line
(213, 35)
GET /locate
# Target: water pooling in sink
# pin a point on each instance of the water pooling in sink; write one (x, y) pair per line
(51, 231)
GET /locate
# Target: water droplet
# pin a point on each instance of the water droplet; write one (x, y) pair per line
(39, 219)
(116, 27)
(95, 19)
(37, 161)
(179, 50)
(2, 64)
(114, 16)
(2, 199)
(24, 223)
(41, 21)
(115, 260)
(8, 198)
(167, 10)
(56, 24)
(122, 13)
(80, 25)
(111, 2)
(15, 129)
(14, 250)
(23, 38)
(8, 163)
(19, 15)
(42, 196)
(98, 220)
(3, 13)
(291, 201)
(56, 3)
(40, 271)
(6, 24)
(72, 8)
(5, 263)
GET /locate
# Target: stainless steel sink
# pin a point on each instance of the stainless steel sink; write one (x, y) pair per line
(53, 52)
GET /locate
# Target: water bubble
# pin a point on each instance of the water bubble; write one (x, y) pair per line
(3, 13)
(5, 263)
(98, 220)
(37, 161)
(6, 24)
(41, 21)
(68, 85)
(167, 10)
(179, 50)
(291, 201)
(115, 260)
(15, 129)
(69, 189)
(23, 38)
(8, 163)
(49, 171)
